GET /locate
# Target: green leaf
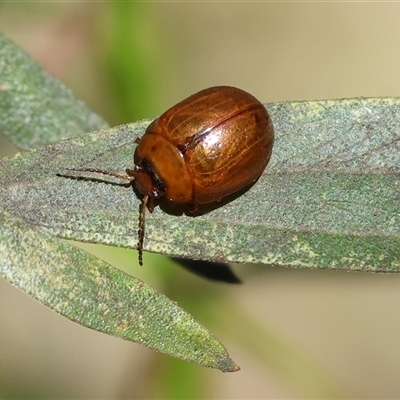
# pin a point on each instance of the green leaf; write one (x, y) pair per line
(37, 108)
(89, 291)
(330, 197)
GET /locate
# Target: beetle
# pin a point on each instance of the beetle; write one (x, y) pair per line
(210, 145)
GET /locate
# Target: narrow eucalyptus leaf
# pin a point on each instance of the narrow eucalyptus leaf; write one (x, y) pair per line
(330, 197)
(35, 107)
(87, 290)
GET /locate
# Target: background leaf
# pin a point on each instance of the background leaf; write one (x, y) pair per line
(328, 199)
(37, 108)
(89, 291)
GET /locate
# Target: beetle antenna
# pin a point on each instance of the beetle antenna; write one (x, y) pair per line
(102, 171)
(142, 220)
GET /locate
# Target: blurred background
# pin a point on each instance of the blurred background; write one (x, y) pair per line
(295, 333)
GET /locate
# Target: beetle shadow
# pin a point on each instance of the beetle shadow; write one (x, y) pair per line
(214, 271)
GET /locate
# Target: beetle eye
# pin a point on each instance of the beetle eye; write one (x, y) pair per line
(155, 193)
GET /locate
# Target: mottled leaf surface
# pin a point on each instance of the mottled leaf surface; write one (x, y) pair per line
(330, 197)
(89, 291)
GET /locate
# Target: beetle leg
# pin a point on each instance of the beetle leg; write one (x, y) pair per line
(150, 203)
(192, 209)
(142, 220)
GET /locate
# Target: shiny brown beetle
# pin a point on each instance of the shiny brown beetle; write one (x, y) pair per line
(210, 145)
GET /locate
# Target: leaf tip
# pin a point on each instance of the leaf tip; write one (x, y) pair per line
(235, 368)
(228, 365)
